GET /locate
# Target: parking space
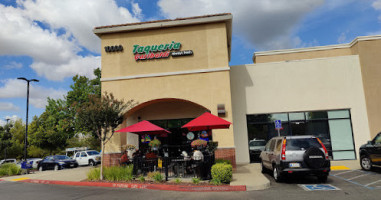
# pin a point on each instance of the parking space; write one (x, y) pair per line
(344, 180)
(367, 179)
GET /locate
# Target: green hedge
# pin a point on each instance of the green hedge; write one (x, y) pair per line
(9, 169)
(223, 161)
(222, 172)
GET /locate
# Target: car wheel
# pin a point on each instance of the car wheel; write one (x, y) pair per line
(276, 174)
(40, 169)
(56, 167)
(365, 162)
(92, 163)
(323, 178)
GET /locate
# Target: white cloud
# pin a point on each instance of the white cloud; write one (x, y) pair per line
(53, 33)
(268, 24)
(7, 106)
(12, 119)
(79, 17)
(77, 65)
(13, 65)
(14, 88)
(377, 4)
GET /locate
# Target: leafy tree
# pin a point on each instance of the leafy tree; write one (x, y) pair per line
(101, 116)
(16, 149)
(53, 128)
(5, 138)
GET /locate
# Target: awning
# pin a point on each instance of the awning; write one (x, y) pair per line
(207, 121)
(145, 127)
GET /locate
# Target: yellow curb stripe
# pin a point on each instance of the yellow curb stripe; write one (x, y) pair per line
(339, 168)
(20, 179)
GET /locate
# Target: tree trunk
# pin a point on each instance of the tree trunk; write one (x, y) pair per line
(102, 159)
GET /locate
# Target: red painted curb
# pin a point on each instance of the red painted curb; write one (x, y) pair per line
(1, 179)
(144, 186)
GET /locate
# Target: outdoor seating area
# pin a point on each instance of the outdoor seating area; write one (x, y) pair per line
(192, 158)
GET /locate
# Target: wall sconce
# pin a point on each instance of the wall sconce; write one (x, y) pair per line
(221, 110)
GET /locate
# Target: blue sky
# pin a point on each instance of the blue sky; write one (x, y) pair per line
(52, 40)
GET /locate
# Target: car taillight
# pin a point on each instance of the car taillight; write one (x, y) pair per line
(325, 149)
(283, 155)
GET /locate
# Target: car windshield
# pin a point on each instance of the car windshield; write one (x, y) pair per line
(257, 143)
(61, 157)
(302, 143)
(90, 153)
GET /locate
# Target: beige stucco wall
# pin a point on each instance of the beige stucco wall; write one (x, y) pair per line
(208, 42)
(298, 55)
(205, 89)
(370, 59)
(302, 85)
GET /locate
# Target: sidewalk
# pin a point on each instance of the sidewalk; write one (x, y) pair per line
(251, 176)
(76, 174)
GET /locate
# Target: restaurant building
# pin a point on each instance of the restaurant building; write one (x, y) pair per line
(178, 69)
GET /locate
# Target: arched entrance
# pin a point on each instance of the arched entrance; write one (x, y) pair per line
(168, 113)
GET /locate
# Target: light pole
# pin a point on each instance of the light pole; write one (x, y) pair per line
(27, 110)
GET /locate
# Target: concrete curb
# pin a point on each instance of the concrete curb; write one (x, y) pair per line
(143, 186)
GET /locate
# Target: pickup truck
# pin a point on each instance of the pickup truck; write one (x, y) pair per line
(89, 157)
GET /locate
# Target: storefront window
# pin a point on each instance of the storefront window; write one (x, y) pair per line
(297, 116)
(332, 127)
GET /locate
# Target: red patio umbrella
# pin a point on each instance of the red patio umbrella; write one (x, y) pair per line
(145, 127)
(207, 121)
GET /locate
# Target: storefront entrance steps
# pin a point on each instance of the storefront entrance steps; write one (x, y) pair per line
(251, 176)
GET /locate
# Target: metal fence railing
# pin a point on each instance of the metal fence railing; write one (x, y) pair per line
(174, 167)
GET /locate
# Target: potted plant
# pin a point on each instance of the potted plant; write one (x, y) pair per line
(154, 144)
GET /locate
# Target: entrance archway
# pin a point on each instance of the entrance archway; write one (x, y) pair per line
(168, 113)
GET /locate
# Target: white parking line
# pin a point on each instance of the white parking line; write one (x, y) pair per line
(373, 183)
(357, 176)
(344, 172)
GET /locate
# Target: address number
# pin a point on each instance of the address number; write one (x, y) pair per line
(115, 48)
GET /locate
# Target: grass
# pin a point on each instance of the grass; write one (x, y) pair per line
(114, 173)
(195, 181)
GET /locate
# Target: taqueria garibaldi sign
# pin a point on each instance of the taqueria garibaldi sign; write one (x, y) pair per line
(159, 51)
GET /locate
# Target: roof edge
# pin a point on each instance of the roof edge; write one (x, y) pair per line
(317, 48)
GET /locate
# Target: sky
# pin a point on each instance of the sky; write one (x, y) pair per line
(52, 41)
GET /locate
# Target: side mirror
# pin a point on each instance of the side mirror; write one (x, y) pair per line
(370, 143)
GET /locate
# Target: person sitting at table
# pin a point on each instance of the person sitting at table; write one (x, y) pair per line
(197, 155)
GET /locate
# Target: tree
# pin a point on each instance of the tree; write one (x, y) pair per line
(5, 138)
(101, 116)
(53, 128)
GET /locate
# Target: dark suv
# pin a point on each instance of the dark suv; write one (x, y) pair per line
(370, 153)
(288, 155)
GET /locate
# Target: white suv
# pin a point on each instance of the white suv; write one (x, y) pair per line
(89, 157)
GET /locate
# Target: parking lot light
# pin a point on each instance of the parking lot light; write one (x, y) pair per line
(27, 110)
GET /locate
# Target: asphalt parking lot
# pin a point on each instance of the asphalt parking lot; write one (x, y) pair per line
(344, 180)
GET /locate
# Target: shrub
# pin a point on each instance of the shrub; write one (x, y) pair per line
(223, 161)
(9, 169)
(215, 182)
(94, 174)
(155, 176)
(177, 181)
(117, 173)
(141, 178)
(222, 172)
(195, 181)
